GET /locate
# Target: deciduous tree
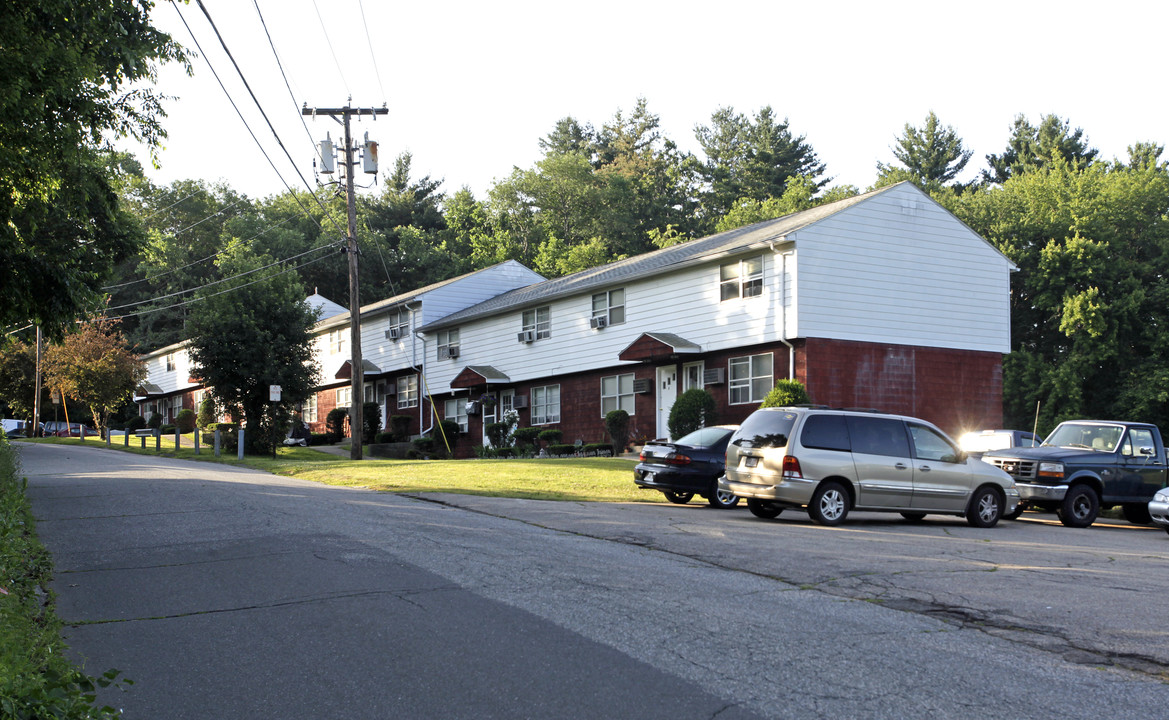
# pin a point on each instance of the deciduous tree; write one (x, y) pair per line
(94, 366)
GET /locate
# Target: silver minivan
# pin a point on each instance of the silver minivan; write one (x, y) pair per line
(834, 461)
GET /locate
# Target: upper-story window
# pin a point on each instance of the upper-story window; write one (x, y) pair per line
(399, 323)
(448, 344)
(751, 378)
(609, 305)
(538, 321)
(170, 362)
(337, 341)
(741, 279)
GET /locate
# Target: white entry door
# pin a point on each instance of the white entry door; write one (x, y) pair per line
(667, 393)
(491, 414)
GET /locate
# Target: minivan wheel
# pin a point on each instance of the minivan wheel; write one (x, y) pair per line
(986, 507)
(913, 517)
(764, 509)
(829, 504)
(1079, 507)
(722, 499)
(678, 498)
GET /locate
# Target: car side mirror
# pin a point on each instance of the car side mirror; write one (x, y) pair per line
(1147, 451)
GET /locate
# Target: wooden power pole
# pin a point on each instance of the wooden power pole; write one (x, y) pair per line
(357, 375)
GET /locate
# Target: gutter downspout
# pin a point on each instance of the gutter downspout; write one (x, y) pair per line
(414, 338)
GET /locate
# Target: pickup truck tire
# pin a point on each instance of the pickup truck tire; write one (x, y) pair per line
(1079, 507)
(763, 509)
(1137, 513)
(986, 507)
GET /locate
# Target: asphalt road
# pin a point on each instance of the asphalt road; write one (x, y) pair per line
(228, 593)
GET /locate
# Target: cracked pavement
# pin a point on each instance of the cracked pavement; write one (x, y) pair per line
(227, 592)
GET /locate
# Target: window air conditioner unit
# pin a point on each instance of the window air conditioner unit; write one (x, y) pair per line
(452, 352)
(519, 401)
(526, 336)
(642, 386)
(714, 376)
(393, 333)
(599, 322)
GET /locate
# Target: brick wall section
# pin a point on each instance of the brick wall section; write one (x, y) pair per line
(957, 390)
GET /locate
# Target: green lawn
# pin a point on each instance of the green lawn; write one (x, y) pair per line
(577, 479)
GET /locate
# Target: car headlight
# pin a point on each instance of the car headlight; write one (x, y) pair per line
(1162, 496)
(1051, 470)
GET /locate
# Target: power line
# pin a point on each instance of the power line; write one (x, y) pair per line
(329, 42)
(372, 56)
(280, 65)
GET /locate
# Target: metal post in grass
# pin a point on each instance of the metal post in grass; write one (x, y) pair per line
(158, 439)
(217, 442)
(178, 435)
(107, 438)
(196, 439)
(126, 437)
(240, 445)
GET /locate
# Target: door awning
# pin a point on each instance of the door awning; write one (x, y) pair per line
(654, 346)
(345, 372)
(474, 375)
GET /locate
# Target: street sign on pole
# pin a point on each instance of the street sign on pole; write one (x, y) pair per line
(273, 393)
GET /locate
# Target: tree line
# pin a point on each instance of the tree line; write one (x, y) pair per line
(90, 235)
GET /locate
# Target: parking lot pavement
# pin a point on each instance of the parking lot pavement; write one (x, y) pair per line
(1096, 596)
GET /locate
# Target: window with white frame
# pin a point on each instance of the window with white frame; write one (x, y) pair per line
(617, 394)
(741, 279)
(370, 392)
(692, 376)
(178, 403)
(750, 378)
(407, 391)
(344, 397)
(545, 404)
(610, 305)
(308, 409)
(456, 411)
(538, 321)
(400, 321)
(337, 341)
(448, 340)
(170, 362)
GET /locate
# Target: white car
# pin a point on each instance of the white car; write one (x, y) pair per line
(1159, 508)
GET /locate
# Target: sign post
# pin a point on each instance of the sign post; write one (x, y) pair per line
(274, 400)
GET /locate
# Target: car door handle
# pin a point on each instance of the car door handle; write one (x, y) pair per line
(901, 466)
(924, 468)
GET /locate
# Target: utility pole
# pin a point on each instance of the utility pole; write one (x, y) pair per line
(357, 376)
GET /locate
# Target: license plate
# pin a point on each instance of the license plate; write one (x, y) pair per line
(750, 461)
(649, 477)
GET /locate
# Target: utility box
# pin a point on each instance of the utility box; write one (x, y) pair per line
(369, 156)
(328, 161)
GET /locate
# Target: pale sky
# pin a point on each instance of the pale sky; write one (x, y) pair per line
(471, 87)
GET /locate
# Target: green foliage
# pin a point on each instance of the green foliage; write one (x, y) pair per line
(797, 197)
(525, 437)
(617, 425)
(257, 335)
(335, 424)
(155, 421)
(1033, 148)
(371, 417)
(497, 433)
(36, 680)
(137, 422)
(693, 409)
(400, 427)
(786, 392)
(18, 362)
(207, 413)
(550, 436)
(931, 157)
(93, 365)
(561, 450)
(228, 435)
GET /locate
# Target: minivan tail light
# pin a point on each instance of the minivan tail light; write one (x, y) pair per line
(791, 468)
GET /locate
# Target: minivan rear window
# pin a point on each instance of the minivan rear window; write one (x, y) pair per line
(765, 429)
(825, 432)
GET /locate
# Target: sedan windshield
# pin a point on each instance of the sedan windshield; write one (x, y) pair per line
(1101, 438)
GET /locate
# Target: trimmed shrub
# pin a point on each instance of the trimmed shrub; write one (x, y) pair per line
(206, 413)
(320, 439)
(384, 437)
(155, 421)
(497, 433)
(167, 430)
(400, 427)
(135, 423)
(423, 445)
(551, 436)
(617, 425)
(786, 393)
(526, 435)
(185, 421)
(561, 450)
(371, 418)
(228, 434)
(335, 423)
(505, 452)
(693, 409)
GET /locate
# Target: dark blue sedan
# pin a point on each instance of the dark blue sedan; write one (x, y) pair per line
(687, 467)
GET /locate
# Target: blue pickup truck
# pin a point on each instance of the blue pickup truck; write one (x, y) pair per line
(1086, 465)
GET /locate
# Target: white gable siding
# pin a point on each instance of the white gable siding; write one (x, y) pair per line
(685, 303)
(899, 269)
(474, 289)
(169, 381)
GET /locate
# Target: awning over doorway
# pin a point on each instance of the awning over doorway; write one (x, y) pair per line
(345, 372)
(474, 375)
(146, 390)
(655, 346)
